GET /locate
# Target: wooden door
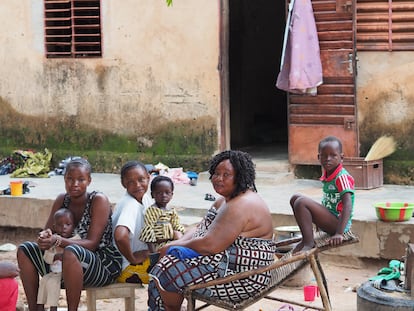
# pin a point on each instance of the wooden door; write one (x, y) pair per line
(333, 111)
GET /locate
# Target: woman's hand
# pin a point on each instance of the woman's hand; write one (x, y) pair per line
(45, 239)
(45, 233)
(163, 250)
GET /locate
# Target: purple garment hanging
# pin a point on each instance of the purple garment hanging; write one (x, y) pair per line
(301, 67)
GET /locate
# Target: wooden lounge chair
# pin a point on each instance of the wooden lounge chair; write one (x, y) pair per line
(280, 270)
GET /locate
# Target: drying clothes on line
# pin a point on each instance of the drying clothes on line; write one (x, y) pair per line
(300, 67)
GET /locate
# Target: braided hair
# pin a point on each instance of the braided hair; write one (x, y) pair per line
(243, 167)
(78, 162)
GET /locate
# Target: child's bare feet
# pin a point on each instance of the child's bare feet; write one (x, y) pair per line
(307, 248)
(297, 248)
(300, 247)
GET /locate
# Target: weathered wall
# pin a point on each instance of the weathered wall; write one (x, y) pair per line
(159, 65)
(385, 96)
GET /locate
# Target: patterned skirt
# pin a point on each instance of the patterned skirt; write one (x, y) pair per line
(100, 268)
(245, 254)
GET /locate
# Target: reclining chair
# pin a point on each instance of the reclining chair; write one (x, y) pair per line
(280, 271)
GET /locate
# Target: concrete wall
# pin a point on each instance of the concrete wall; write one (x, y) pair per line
(385, 97)
(159, 65)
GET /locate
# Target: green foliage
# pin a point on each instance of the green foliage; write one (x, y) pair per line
(169, 2)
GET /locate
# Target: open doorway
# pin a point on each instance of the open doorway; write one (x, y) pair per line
(258, 110)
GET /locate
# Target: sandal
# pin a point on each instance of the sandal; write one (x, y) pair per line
(286, 307)
(209, 197)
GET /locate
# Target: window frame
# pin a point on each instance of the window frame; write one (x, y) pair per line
(72, 28)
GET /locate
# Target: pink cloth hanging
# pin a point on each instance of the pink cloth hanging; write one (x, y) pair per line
(301, 67)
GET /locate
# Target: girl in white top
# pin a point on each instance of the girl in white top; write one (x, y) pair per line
(128, 221)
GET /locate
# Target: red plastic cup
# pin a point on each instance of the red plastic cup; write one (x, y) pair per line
(310, 292)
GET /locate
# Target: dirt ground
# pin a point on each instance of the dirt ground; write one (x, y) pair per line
(344, 275)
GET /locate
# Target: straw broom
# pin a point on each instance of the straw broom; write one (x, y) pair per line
(383, 147)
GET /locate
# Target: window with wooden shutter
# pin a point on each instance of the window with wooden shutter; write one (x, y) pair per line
(72, 28)
(385, 25)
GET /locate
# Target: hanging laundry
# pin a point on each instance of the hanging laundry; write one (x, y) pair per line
(300, 67)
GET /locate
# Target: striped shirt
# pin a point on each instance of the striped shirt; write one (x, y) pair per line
(334, 187)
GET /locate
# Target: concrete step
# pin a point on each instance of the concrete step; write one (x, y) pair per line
(272, 166)
(268, 172)
(266, 178)
(262, 178)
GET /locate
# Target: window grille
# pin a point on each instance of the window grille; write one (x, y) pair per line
(385, 25)
(72, 28)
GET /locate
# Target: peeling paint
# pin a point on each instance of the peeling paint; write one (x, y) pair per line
(393, 240)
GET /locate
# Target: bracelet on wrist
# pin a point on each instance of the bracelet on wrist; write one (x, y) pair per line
(58, 240)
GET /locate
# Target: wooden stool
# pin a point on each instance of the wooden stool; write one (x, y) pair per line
(116, 290)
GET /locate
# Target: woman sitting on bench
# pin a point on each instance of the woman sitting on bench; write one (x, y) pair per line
(93, 260)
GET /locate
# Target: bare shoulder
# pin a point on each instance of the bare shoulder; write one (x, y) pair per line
(249, 203)
(101, 201)
(58, 203)
(100, 197)
(254, 213)
(60, 197)
(219, 202)
(250, 199)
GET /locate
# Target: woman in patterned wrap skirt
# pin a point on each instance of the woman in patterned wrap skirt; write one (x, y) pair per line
(234, 236)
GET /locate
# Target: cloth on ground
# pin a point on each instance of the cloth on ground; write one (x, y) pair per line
(36, 164)
(177, 175)
(182, 252)
(392, 272)
(390, 285)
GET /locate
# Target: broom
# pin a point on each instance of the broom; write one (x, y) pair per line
(383, 147)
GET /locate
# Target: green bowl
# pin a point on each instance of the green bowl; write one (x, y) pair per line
(394, 211)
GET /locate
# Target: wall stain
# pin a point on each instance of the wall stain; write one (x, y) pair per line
(191, 137)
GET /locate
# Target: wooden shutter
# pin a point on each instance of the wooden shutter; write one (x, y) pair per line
(333, 110)
(72, 28)
(385, 25)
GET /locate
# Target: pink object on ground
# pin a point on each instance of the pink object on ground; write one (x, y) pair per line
(9, 292)
(310, 292)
